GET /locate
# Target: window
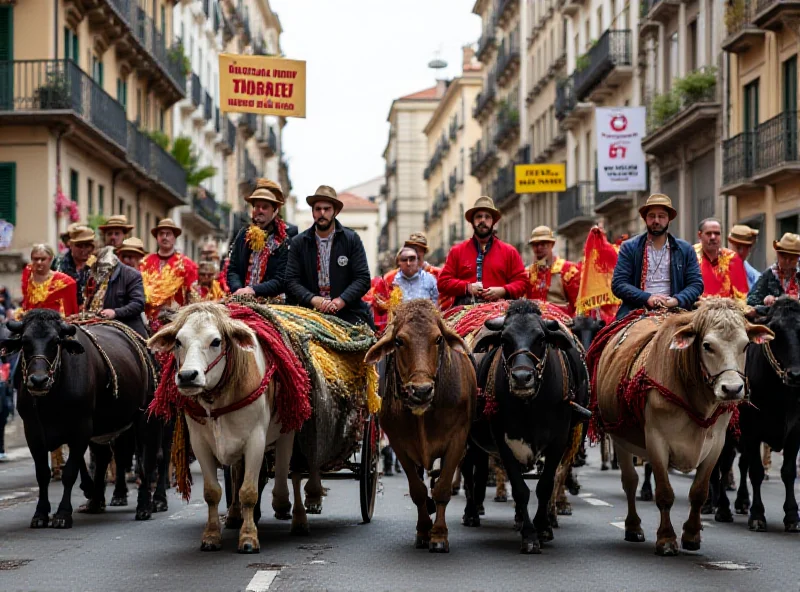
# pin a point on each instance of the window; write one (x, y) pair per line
(146, 112)
(600, 27)
(8, 192)
(120, 203)
(101, 200)
(161, 118)
(130, 212)
(73, 185)
(138, 106)
(90, 193)
(97, 70)
(71, 45)
(692, 48)
(789, 76)
(672, 71)
(147, 225)
(786, 224)
(163, 20)
(750, 122)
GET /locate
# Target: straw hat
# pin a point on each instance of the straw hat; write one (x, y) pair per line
(483, 203)
(542, 234)
(263, 194)
(325, 193)
(64, 236)
(789, 244)
(120, 221)
(81, 234)
(272, 186)
(661, 200)
(417, 239)
(166, 224)
(744, 235)
(131, 245)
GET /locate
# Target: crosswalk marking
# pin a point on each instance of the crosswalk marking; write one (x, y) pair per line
(620, 525)
(596, 502)
(262, 580)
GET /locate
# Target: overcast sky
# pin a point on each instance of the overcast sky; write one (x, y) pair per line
(362, 54)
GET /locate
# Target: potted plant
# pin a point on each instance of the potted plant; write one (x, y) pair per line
(698, 85)
(663, 107)
(54, 94)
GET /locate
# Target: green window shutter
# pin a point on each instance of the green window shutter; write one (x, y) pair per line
(6, 33)
(75, 48)
(73, 185)
(67, 43)
(8, 192)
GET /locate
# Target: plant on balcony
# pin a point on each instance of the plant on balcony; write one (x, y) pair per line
(735, 14)
(54, 94)
(583, 61)
(225, 207)
(177, 55)
(696, 85)
(187, 157)
(663, 107)
(159, 137)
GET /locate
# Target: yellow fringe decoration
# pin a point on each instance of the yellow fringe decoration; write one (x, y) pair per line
(577, 438)
(255, 238)
(180, 459)
(374, 402)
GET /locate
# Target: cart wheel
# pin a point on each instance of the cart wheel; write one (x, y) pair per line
(368, 474)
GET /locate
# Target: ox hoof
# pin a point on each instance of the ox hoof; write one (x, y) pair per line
(481, 510)
(300, 529)
(552, 520)
(667, 549)
(143, 514)
(233, 522)
(574, 488)
(470, 521)
(723, 515)
(707, 508)
(742, 507)
(501, 499)
(422, 542)
(604, 467)
(249, 548)
(545, 535)
(439, 547)
(792, 527)
(119, 500)
(283, 514)
(314, 507)
(634, 536)
(62, 521)
(455, 491)
(530, 547)
(40, 521)
(564, 509)
(757, 525)
(91, 507)
(646, 495)
(430, 505)
(211, 545)
(690, 545)
(160, 505)
(517, 524)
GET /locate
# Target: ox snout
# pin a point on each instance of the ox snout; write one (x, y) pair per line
(731, 389)
(189, 382)
(793, 377)
(419, 396)
(38, 384)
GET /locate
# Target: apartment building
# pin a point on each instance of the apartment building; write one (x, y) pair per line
(760, 157)
(682, 88)
(82, 85)
(406, 155)
(546, 62)
(499, 109)
(603, 62)
(451, 132)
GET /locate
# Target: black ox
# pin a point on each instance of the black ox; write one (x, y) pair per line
(66, 396)
(533, 385)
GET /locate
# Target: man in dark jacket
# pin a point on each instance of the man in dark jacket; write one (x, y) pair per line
(115, 291)
(259, 252)
(655, 269)
(327, 268)
(782, 278)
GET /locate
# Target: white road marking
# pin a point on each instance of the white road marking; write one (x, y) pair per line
(728, 565)
(596, 502)
(262, 580)
(620, 525)
(585, 495)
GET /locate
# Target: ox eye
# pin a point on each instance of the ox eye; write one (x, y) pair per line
(707, 347)
(178, 343)
(439, 340)
(398, 342)
(216, 342)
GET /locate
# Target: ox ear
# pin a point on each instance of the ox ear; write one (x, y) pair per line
(66, 330)
(495, 324)
(243, 337)
(164, 340)
(683, 338)
(454, 340)
(759, 333)
(10, 345)
(382, 348)
(71, 346)
(556, 336)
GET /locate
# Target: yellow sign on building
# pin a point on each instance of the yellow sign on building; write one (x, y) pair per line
(262, 85)
(540, 178)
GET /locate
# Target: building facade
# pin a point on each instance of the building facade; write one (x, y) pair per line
(451, 132)
(760, 157)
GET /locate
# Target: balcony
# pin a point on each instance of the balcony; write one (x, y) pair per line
(248, 123)
(773, 15)
(684, 120)
(572, 7)
(508, 59)
(482, 158)
(58, 92)
(391, 212)
(507, 127)
(137, 41)
(486, 44)
(205, 213)
(576, 209)
(503, 190)
(228, 136)
(452, 183)
(208, 107)
(613, 202)
(506, 11)
(660, 11)
(569, 111)
(391, 168)
(267, 140)
(738, 158)
(485, 101)
(776, 149)
(743, 34)
(250, 172)
(605, 66)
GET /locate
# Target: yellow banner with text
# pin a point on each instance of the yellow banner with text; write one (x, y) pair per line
(540, 178)
(262, 85)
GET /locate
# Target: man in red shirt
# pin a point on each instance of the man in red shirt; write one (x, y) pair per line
(724, 275)
(483, 268)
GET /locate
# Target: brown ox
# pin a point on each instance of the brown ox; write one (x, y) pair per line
(429, 399)
(697, 357)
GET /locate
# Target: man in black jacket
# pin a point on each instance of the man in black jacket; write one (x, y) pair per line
(258, 256)
(327, 268)
(115, 291)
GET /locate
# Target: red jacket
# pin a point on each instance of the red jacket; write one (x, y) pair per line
(502, 267)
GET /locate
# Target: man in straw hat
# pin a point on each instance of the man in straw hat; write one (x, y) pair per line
(722, 269)
(655, 269)
(782, 277)
(207, 288)
(131, 252)
(78, 259)
(115, 230)
(275, 188)
(552, 279)
(168, 275)
(483, 268)
(741, 239)
(327, 268)
(64, 236)
(259, 253)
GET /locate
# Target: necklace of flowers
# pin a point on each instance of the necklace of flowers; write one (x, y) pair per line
(256, 239)
(788, 281)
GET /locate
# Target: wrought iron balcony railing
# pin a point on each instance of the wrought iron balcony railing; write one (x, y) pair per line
(196, 89)
(566, 100)
(208, 208)
(208, 107)
(611, 50)
(776, 142)
(576, 202)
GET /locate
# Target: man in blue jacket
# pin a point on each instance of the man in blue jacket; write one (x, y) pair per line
(655, 269)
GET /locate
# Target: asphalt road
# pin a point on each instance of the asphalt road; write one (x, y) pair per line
(112, 552)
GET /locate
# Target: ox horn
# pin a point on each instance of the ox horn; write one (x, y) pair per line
(66, 330)
(495, 324)
(14, 326)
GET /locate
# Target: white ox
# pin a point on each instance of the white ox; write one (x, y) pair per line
(220, 361)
